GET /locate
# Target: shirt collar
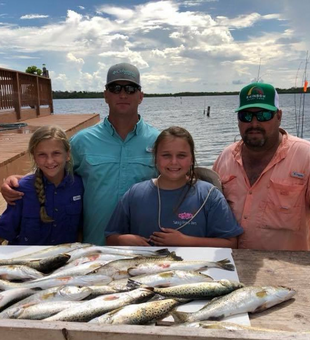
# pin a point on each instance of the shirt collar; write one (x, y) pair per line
(111, 129)
(65, 180)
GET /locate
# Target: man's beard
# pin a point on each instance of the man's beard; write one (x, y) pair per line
(254, 141)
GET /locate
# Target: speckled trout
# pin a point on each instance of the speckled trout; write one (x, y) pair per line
(12, 295)
(164, 279)
(199, 290)
(54, 250)
(68, 293)
(102, 304)
(244, 300)
(139, 314)
(118, 269)
(19, 272)
(42, 310)
(164, 265)
(44, 265)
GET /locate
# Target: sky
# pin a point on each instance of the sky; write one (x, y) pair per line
(178, 45)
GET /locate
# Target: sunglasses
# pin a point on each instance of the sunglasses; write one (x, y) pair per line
(129, 89)
(261, 116)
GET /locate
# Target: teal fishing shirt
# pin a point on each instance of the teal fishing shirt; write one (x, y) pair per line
(109, 166)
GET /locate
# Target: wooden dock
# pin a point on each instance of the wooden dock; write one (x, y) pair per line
(14, 158)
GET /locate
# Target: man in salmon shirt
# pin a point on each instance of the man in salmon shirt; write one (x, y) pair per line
(265, 176)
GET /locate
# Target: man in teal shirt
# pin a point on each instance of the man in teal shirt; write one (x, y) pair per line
(114, 154)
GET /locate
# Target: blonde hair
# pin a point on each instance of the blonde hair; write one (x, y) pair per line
(44, 133)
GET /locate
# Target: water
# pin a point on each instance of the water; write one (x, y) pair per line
(211, 134)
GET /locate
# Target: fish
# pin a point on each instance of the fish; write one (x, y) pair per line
(103, 258)
(163, 279)
(164, 265)
(121, 251)
(53, 250)
(44, 265)
(92, 250)
(13, 295)
(42, 310)
(100, 305)
(249, 299)
(19, 272)
(83, 269)
(67, 293)
(45, 283)
(138, 314)
(199, 290)
(119, 269)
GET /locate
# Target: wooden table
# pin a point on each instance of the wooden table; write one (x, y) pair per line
(290, 320)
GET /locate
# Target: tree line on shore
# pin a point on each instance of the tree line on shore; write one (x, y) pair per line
(94, 94)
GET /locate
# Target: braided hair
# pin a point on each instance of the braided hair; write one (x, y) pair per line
(44, 133)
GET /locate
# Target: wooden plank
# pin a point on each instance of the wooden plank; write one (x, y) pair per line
(34, 330)
(291, 269)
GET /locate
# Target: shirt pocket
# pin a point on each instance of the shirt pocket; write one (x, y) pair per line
(74, 214)
(283, 207)
(141, 168)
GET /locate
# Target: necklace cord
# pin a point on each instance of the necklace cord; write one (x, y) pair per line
(186, 223)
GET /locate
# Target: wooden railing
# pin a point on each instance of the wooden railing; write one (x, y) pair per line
(23, 96)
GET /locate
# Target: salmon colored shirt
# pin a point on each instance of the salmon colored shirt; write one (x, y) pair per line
(275, 211)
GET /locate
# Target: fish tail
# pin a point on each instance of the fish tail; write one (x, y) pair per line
(179, 317)
(225, 264)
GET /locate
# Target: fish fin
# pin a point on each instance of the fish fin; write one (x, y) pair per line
(260, 308)
(225, 264)
(133, 284)
(175, 256)
(162, 252)
(179, 317)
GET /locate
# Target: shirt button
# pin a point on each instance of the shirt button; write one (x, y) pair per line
(54, 225)
(56, 209)
(245, 217)
(250, 192)
(55, 192)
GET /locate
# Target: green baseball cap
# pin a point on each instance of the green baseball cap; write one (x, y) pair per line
(259, 95)
(123, 71)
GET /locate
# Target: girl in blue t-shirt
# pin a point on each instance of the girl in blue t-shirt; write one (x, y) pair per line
(174, 209)
(50, 211)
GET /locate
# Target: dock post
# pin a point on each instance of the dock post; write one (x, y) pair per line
(208, 112)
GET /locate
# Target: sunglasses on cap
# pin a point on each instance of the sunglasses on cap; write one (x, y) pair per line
(129, 88)
(262, 116)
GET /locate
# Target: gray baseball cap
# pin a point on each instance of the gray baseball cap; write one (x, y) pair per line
(123, 71)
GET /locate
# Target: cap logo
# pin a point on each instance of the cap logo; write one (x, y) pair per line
(255, 93)
(126, 72)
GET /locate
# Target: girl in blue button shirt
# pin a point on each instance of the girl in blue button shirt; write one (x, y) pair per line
(176, 208)
(50, 212)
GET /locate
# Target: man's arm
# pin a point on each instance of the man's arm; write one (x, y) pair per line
(7, 191)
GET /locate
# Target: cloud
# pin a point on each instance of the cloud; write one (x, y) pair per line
(33, 16)
(172, 45)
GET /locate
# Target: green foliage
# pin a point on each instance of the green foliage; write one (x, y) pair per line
(93, 94)
(34, 70)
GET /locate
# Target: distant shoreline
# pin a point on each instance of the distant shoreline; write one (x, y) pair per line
(91, 94)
